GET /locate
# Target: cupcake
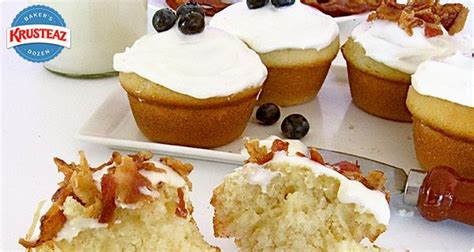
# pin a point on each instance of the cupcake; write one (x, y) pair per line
(283, 202)
(129, 203)
(296, 42)
(383, 52)
(192, 88)
(441, 99)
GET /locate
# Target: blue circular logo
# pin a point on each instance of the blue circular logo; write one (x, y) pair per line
(38, 33)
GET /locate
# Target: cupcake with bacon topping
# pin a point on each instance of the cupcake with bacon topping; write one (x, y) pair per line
(383, 52)
(130, 203)
(293, 201)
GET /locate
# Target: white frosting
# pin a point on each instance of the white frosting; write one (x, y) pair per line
(257, 175)
(145, 191)
(128, 206)
(209, 64)
(170, 176)
(293, 147)
(266, 29)
(72, 227)
(387, 43)
(350, 191)
(450, 79)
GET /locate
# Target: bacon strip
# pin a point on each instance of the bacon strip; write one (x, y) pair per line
(109, 191)
(181, 210)
(429, 14)
(338, 8)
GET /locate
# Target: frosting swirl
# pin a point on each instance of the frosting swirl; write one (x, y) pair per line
(266, 29)
(209, 64)
(387, 43)
(450, 79)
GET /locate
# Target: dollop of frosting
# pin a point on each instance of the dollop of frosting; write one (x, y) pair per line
(260, 176)
(448, 78)
(205, 65)
(74, 226)
(266, 29)
(387, 43)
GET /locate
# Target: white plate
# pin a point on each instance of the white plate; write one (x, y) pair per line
(335, 124)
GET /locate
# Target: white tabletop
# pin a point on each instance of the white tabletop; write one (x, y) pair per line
(42, 112)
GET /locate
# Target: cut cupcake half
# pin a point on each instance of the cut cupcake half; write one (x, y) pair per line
(130, 203)
(278, 201)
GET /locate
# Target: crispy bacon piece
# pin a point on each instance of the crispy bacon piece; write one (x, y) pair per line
(258, 155)
(152, 167)
(109, 190)
(299, 154)
(181, 210)
(129, 180)
(279, 145)
(51, 223)
(181, 168)
(210, 7)
(345, 166)
(429, 14)
(337, 8)
(315, 155)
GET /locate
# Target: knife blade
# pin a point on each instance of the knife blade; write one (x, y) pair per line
(396, 177)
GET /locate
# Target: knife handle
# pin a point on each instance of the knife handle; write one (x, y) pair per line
(446, 195)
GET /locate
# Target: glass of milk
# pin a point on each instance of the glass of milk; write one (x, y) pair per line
(99, 29)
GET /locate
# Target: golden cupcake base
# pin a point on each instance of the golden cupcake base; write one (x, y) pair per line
(377, 96)
(443, 133)
(292, 86)
(165, 116)
(375, 87)
(296, 76)
(434, 148)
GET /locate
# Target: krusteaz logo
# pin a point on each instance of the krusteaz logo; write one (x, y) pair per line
(38, 34)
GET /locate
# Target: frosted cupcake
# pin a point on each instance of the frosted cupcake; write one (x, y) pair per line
(194, 90)
(296, 42)
(441, 100)
(283, 202)
(381, 54)
(130, 203)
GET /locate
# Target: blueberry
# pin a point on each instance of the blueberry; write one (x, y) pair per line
(188, 7)
(295, 126)
(191, 23)
(281, 3)
(268, 114)
(163, 19)
(255, 4)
